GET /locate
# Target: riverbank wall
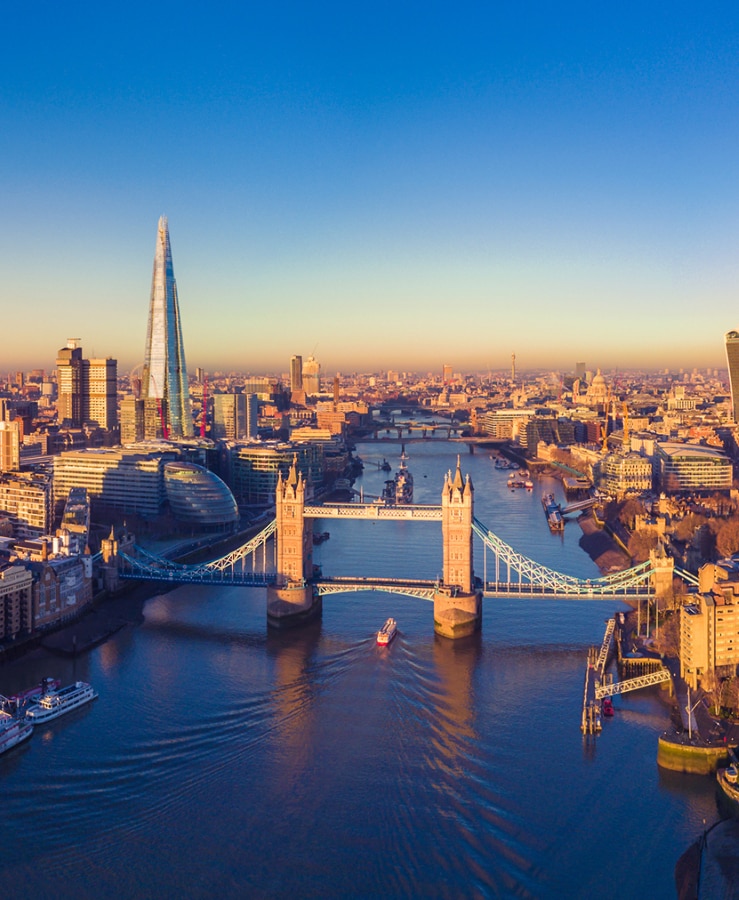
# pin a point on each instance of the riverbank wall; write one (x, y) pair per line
(678, 753)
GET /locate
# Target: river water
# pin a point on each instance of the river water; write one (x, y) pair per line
(221, 760)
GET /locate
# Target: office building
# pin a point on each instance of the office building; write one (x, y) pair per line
(709, 625)
(127, 479)
(732, 359)
(100, 397)
(254, 468)
(10, 446)
(296, 373)
(69, 379)
(26, 500)
(692, 468)
(165, 372)
(16, 601)
(312, 376)
(88, 389)
(229, 416)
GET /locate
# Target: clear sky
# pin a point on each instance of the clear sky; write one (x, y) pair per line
(386, 185)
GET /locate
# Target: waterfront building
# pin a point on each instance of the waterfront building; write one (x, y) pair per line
(709, 625)
(125, 478)
(165, 371)
(26, 500)
(692, 468)
(732, 359)
(62, 588)
(620, 474)
(10, 446)
(16, 601)
(255, 467)
(199, 498)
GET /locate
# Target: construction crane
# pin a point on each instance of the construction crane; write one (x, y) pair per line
(604, 447)
(626, 437)
(204, 413)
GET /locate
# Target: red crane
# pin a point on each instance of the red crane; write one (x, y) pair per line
(204, 414)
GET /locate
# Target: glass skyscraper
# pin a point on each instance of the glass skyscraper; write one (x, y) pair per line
(732, 358)
(165, 372)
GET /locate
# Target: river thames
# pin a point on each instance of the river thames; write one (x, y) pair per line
(221, 760)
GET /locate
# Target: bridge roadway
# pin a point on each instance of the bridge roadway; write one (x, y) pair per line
(426, 512)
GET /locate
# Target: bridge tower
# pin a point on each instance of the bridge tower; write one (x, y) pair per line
(292, 600)
(457, 604)
(663, 567)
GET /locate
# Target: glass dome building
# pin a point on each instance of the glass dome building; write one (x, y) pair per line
(199, 498)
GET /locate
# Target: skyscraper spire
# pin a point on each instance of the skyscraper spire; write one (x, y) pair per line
(165, 371)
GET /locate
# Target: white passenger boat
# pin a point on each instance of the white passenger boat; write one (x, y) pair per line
(13, 731)
(55, 703)
(387, 632)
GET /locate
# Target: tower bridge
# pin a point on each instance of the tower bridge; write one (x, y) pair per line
(295, 587)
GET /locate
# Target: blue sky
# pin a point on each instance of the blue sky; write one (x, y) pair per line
(389, 185)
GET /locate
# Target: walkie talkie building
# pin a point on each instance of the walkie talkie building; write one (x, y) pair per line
(165, 372)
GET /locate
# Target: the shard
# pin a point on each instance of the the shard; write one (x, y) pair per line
(165, 372)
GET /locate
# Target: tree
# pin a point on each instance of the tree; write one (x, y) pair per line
(640, 543)
(629, 511)
(727, 539)
(687, 527)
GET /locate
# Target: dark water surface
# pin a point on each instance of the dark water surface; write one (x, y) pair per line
(223, 761)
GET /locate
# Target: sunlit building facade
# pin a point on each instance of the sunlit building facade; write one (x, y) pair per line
(692, 468)
(732, 359)
(165, 372)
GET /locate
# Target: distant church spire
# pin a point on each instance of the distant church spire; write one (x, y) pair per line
(165, 371)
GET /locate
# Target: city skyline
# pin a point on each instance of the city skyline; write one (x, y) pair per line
(558, 183)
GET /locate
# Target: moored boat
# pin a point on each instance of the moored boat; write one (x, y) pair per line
(387, 632)
(57, 702)
(553, 513)
(727, 781)
(13, 731)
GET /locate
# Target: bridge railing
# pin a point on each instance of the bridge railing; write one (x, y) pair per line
(549, 579)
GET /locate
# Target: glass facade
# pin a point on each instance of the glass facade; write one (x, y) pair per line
(693, 468)
(165, 371)
(255, 469)
(197, 496)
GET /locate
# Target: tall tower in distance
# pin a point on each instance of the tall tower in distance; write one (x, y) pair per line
(165, 371)
(296, 373)
(732, 359)
(513, 368)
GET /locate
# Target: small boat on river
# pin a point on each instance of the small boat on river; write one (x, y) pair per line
(727, 780)
(387, 632)
(553, 513)
(58, 702)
